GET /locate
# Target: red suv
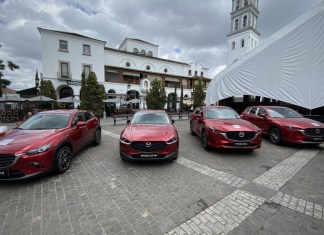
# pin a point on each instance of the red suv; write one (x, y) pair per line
(45, 142)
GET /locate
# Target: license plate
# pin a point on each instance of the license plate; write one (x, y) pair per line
(148, 155)
(4, 173)
(317, 138)
(240, 143)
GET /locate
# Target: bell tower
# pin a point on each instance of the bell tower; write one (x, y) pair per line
(243, 36)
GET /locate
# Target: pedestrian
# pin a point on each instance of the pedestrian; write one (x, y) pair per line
(28, 115)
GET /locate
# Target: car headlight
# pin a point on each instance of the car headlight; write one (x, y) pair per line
(124, 140)
(41, 149)
(217, 131)
(295, 128)
(172, 140)
(259, 132)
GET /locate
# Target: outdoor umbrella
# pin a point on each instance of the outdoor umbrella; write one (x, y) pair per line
(69, 99)
(12, 99)
(40, 98)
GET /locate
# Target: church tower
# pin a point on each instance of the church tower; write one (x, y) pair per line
(243, 36)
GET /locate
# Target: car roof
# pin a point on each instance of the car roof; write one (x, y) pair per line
(217, 107)
(63, 111)
(151, 111)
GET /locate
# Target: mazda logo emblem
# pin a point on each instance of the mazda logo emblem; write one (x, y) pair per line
(241, 134)
(148, 144)
(317, 131)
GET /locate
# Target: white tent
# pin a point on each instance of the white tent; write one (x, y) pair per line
(289, 66)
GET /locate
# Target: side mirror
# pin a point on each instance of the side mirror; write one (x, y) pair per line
(80, 124)
(263, 115)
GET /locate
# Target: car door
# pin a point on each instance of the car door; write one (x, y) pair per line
(261, 119)
(91, 124)
(197, 117)
(78, 133)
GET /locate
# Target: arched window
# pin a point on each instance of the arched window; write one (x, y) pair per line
(149, 53)
(242, 43)
(135, 50)
(244, 21)
(252, 43)
(246, 2)
(143, 52)
(237, 5)
(111, 91)
(233, 46)
(236, 22)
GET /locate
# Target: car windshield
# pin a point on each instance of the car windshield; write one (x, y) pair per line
(283, 112)
(46, 121)
(221, 114)
(150, 118)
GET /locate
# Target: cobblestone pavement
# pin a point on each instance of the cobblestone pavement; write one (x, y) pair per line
(272, 190)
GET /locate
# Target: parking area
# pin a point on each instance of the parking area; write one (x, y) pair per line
(272, 190)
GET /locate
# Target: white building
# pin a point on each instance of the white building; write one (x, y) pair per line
(126, 72)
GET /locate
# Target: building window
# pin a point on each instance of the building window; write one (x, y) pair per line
(252, 43)
(150, 53)
(189, 72)
(64, 66)
(86, 50)
(244, 21)
(63, 45)
(237, 5)
(86, 70)
(236, 23)
(242, 43)
(165, 70)
(233, 46)
(246, 2)
(135, 50)
(143, 52)
(127, 64)
(201, 73)
(196, 73)
(148, 67)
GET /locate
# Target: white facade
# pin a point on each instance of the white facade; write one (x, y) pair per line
(66, 55)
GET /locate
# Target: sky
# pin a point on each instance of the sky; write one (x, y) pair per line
(185, 30)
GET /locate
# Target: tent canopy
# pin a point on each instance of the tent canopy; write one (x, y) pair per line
(289, 66)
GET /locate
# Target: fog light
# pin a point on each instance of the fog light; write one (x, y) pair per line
(37, 164)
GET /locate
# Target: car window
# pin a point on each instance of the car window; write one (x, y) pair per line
(46, 121)
(88, 116)
(78, 117)
(283, 112)
(262, 111)
(253, 110)
(221, 114)
(150, 118)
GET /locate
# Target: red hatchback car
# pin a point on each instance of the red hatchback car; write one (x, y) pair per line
(222, 127)
(45, 142)
(285, 124)
(150, 135)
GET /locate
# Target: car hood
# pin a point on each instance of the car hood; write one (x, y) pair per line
(137, 132)
(17, 140)
(302, 123)
(230, 125)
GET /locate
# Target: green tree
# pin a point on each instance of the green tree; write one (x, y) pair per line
(198, 93)
(4, 83)
(92, 94)
(156, 96)
(47, 89)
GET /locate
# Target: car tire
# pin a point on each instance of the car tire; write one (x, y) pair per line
(63, 158)
(204, 139)
(191, 129)
(275, 136)
(97, 138)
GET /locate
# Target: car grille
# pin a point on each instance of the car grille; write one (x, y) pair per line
(6, 160)
(142, 146)
(240, 135)
(314, 132)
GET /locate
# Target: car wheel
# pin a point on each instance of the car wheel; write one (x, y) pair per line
(191, 129)
(63, 159)
(97, 138)
(275, 136)
(204, 139)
